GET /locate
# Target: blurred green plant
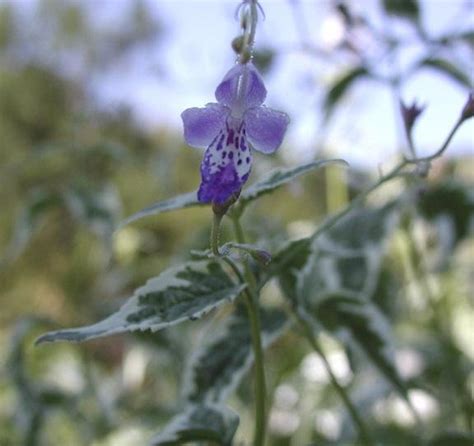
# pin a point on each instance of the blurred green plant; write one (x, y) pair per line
(379, 291)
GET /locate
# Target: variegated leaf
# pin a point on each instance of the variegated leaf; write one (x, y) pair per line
(180, 293)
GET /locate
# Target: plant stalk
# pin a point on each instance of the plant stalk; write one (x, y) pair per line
(251, 300)
(356, 417)
(215, 231)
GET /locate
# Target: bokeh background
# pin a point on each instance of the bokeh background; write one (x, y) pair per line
(90, 99)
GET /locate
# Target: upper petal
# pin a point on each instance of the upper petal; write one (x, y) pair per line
(241, 88)
(265, 128)
(201, 125)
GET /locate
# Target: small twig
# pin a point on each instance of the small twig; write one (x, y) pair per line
(356, 417)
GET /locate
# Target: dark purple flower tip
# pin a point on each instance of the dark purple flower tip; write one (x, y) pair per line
(241, 88)
(220, 186)
(468, 110)
(410, 114)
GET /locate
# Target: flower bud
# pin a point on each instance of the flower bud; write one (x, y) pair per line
(468, 110)
(237, 44)
(410, 114)
(261, 256)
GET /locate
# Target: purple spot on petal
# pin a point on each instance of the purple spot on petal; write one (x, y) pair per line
(231, 155)
(221, 142)
(239, 162)
(230, 137)
(247, 160)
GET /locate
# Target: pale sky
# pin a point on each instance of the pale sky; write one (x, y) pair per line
(195, 53)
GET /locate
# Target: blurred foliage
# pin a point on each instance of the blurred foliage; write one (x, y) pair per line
(70, 170)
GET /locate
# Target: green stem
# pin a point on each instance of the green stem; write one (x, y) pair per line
(356, 418)
(216, 223)
(255, 327)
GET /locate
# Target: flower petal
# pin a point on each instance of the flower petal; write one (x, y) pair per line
(226, 164)
(240, 77)
(201, 125)
(265, 128)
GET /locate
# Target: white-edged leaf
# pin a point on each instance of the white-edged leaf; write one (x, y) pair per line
(98, 208)
(361, 325)
(217, 369)
(360, 233)
(180, 202)
(180, 293)
(208, 423)
(332, 279)
(347, 257)
(280, 177)
(288, 262)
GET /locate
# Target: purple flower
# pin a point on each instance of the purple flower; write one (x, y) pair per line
(229, 129)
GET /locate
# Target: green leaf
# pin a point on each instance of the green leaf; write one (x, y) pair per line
(339, 88)
(288, 262)
(172, 204)
(31, 399)
(280, 177)
(180, 293)
(219, 366)
(29, 220)
(447, 68)
(452, 438)
(274, 180)
(360, 325)
(404, 8)
(360, 229)
(263, 59)
(209, 422)
(449, 207)
(332, 279)
(467, 36)
(96, 207)
(450, 200)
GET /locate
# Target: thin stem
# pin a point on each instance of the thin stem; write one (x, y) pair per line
(234, 268)
(250, 20)
(255, 327)
(441, 150)
(356, 418)
(215, 230)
